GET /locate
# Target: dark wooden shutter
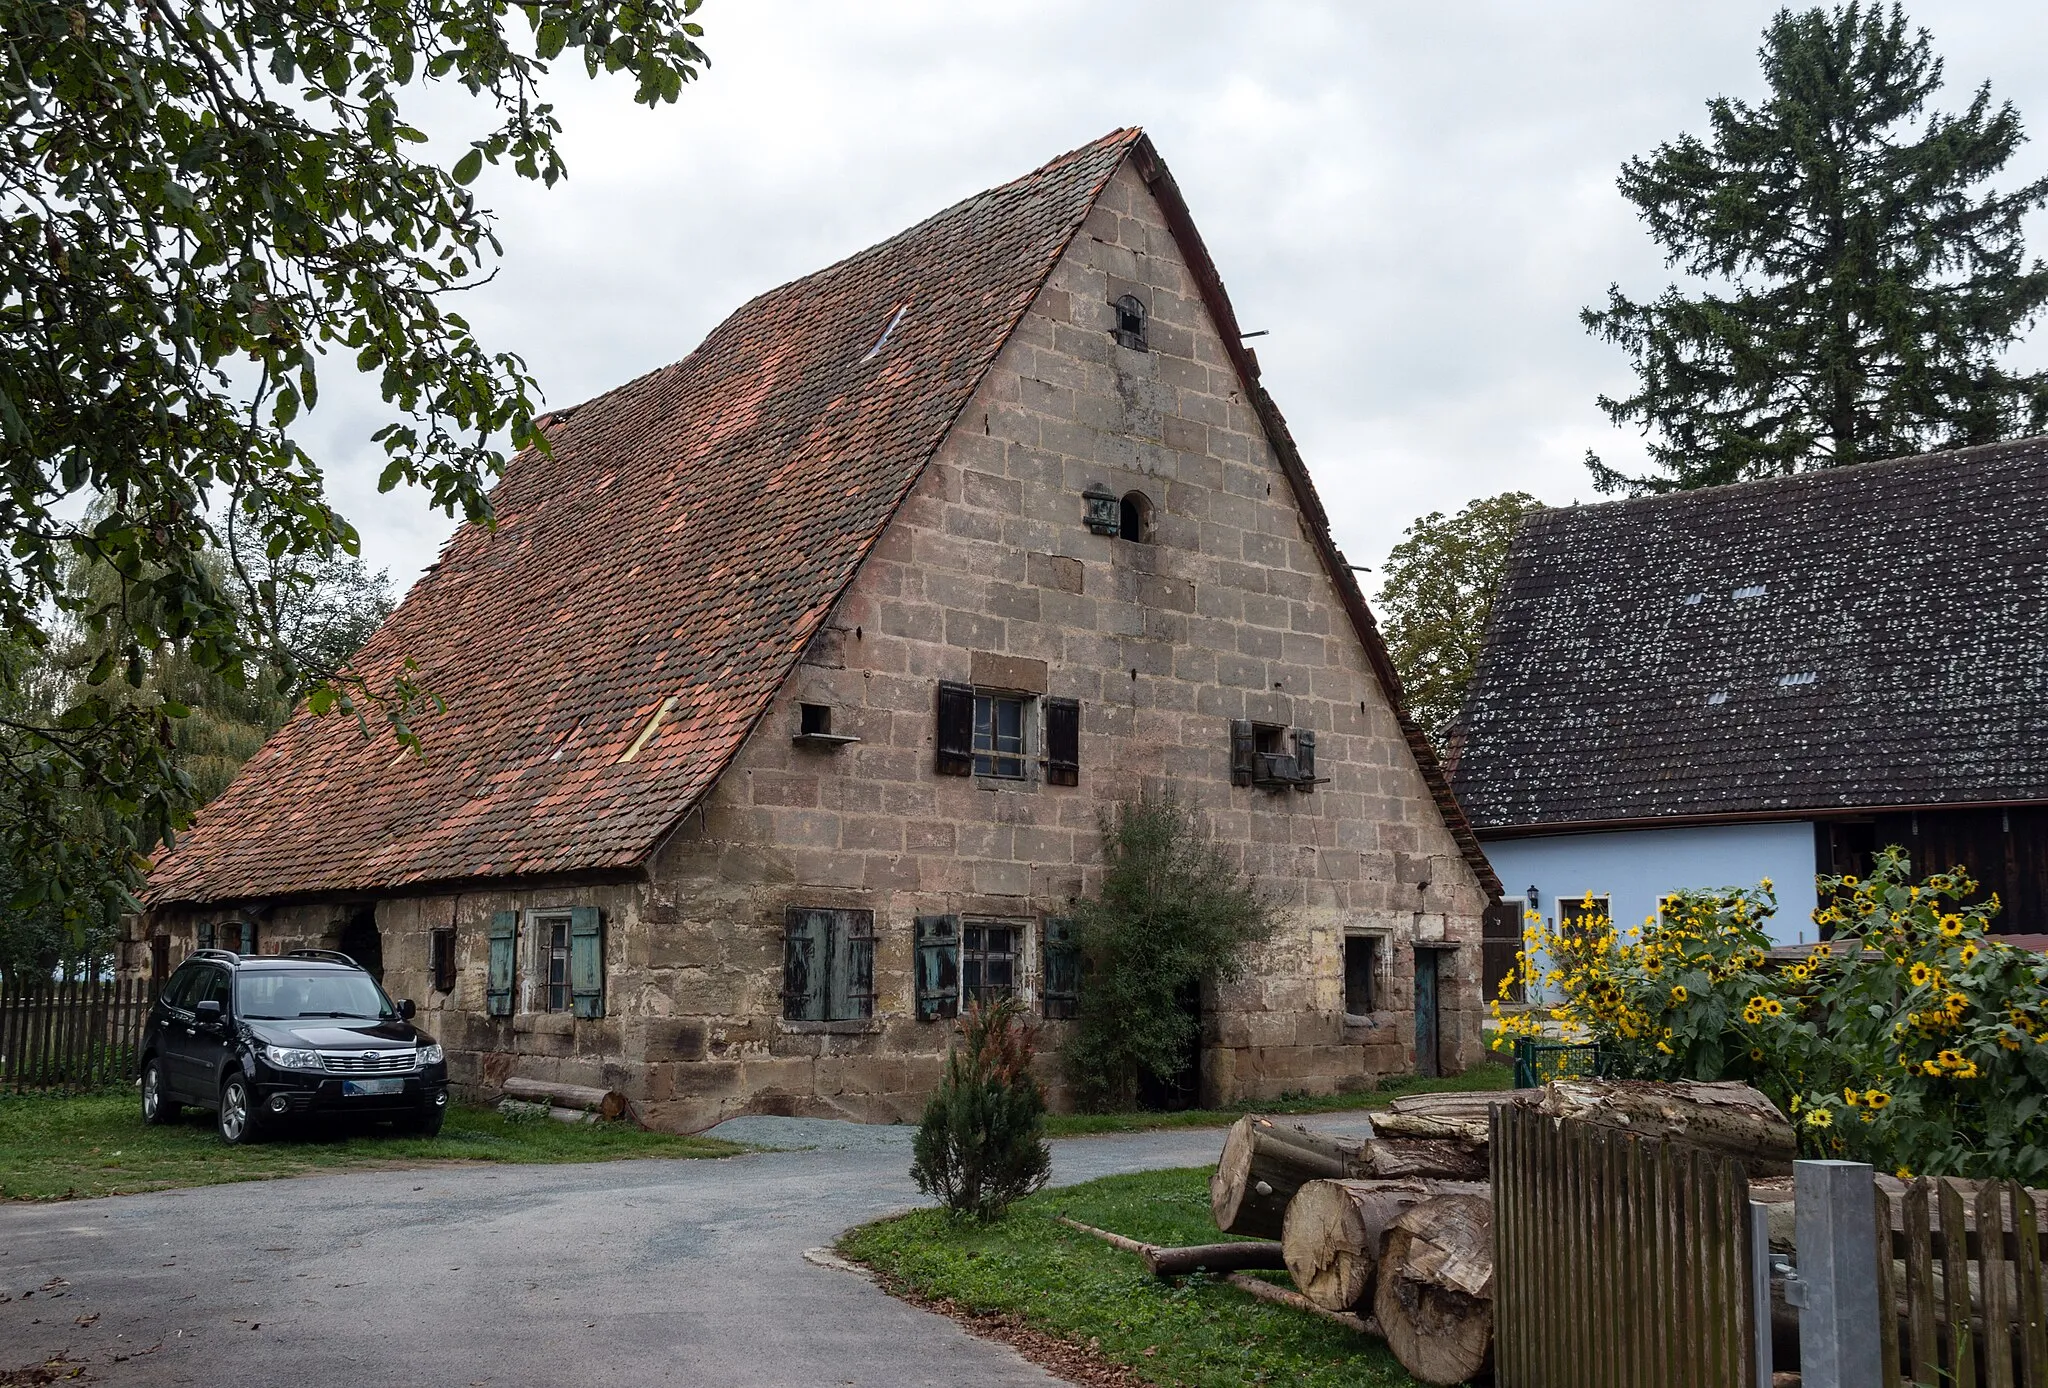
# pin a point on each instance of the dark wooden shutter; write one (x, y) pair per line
(504, 940)
(586, 961)
(1305, 758)
(850, 981)
(206, 935)
(1244, 751)
(1062, 955)
(441, 958)
(804, 957)
(938, 967)
(956, 729)
(248, 938)
(1063, 742)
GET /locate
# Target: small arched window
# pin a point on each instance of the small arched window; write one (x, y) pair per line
(1130, 322)
(1134, 520)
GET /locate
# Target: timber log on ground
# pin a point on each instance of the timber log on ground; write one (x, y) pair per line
(1434, 1301)
(1731, 1119)
(1334, 1230)
(1264, 1164)
(584, 1098)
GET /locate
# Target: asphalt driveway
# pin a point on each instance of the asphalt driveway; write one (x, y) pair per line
(629, 1273)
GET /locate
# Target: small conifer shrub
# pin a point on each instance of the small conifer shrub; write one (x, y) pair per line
(982, 1143)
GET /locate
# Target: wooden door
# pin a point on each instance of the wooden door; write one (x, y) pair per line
(1425, 1012)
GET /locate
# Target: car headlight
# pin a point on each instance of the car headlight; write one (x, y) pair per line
(287, 1059)
(430, 1055)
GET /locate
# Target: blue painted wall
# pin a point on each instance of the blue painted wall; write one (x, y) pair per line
(1636, 867)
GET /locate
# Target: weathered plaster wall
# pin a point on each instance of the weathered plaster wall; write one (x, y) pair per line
(989, 575)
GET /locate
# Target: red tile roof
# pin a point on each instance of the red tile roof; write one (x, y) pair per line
(604, 651)
(676, 552)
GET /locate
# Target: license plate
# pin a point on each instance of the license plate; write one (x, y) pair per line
(351, 1088)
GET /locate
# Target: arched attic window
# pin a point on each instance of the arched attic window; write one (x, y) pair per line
(1134, 517)
(1130, 322)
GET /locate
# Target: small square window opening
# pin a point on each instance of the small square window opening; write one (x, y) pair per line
(1130, 322)
(816, 719)
(1361, 960)
(999, 736)
(988, 963)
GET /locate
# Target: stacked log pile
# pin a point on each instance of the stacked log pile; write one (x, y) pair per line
(1396, 1228)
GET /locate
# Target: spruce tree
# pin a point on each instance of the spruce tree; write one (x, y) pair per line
(1861, 282)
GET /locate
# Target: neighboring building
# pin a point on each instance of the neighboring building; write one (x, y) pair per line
(785, 697)
(1773, 679)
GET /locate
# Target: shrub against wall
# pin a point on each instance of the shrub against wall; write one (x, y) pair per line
(1173, 911)
(1918, 1043)
(982, 1144)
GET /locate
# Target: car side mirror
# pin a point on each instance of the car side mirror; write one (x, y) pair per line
(406, 1009)
(208, 1011)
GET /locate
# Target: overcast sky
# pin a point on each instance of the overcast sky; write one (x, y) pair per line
(1415, 200)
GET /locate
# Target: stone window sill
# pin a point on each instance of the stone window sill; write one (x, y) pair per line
(864, 1027)
(545, 1023)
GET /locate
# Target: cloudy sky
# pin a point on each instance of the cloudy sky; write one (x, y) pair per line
(1415, 200)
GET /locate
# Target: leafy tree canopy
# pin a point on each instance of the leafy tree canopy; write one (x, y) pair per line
(1860, 282)
(1436, 594)
(201, 203)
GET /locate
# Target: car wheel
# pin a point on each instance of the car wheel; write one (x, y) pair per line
(237, 1116)
(157, 1107)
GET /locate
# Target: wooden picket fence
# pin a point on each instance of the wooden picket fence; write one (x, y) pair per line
(73, 1035)
(1619, 1261)
(1960, 1263)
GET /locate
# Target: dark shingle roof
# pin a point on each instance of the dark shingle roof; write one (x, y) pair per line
(1870, 636)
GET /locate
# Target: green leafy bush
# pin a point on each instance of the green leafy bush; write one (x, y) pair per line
(1173, 912)
(982, 1143)
(1919, 1043)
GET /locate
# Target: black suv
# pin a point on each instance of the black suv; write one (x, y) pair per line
(261, 1040)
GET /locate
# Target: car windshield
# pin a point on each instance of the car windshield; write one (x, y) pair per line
(288, 994)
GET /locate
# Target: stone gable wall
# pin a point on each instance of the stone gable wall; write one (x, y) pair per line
(989, 575)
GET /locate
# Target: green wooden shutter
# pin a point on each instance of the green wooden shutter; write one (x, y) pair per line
(248, 937)
(1305, 759)
(1063, 742)
(938, 967)
(955, 729)
(586, 960)
(206, 935)
(1062, 955)
(1244, 746)
(850, 982)
(804, 960)
(504, 940)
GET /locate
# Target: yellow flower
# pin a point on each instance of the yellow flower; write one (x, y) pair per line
(1903, 1174)
(1665, 1047)
(1678, 994)
(1851, 1097)
(1756, 1053)
(1931, 1067)
(1819, 1118)
(1970, 953)
(1920, 975)
(1876, 1098)
(1951, 926)
(1774, 1008)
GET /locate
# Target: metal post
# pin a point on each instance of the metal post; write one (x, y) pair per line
(1838, 1315)
(1760, 1290)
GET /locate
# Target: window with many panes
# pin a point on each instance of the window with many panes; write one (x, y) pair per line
(828, 965)
(961, 962)
(543, 961)
(552, 939)
(988, 961)
(999, 735)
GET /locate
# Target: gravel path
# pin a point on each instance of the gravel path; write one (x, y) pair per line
(628, 1273)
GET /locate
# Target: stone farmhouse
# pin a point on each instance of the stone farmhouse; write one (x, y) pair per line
(1773, 679)
(784, 698)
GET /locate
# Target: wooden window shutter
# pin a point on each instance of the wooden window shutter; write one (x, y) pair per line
(1305, 759)
(248, 938)
(504, 940)
(441, 958)
(1063, 742)
(938, 967)
(1244, 750)
(586, 961)
(1062, 955)
(206, 935)
(850, 982)
(956, 729)
(804, 959)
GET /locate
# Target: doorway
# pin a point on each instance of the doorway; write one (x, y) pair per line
(1182, 1088)
(1428, 1014)
(363, 942)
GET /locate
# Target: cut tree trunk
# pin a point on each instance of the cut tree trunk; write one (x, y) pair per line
(1448, 1117)
(1449, 1159)
(1262, 1165)
(1434, 1301)
(1214, 1257)
(1334, 1230)
(1731, 1119)
(606, 1103)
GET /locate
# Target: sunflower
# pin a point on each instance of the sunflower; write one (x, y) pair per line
(1851, 1097)
(1756, 1052)
(1774, 1008)
(1951, 926)
(1678, 994)
(1819, 1118)
(1875, 1098)
(1969, 955)
(1921, 975)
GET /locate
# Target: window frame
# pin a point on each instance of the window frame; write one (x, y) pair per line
(986, 757)
(974, 961)
(1571, 928)
(1375, 947)
(542, 956)
(441, 958)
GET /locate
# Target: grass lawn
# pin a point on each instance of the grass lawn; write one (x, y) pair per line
(1486, 1076)
(1198, 1332)
(60, 1148)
